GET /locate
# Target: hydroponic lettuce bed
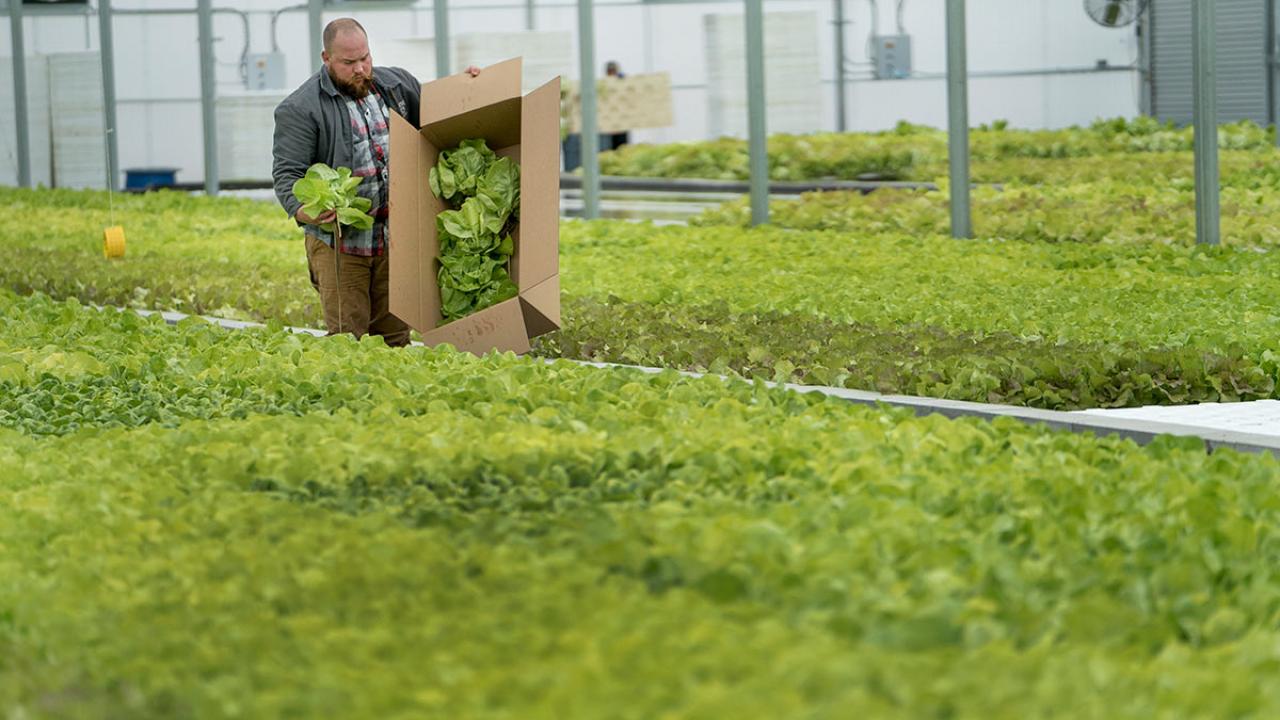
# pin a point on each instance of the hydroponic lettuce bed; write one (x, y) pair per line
(1144, 147)
(201, 523)
(1137, 317)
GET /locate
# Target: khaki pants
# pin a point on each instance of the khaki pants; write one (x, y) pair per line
(363, 290)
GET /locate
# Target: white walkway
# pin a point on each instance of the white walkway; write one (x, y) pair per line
(1259, 417)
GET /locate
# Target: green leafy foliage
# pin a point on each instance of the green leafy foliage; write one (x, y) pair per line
(435, 534)
(916, 360)
(886, 306)
(475, 238)
(1207, 313)
(323, 188)
(457, 174)
(912, 152)
(1109, 211)
(499, 190)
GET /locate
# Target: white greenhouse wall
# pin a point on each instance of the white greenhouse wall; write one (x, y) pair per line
(157, 63)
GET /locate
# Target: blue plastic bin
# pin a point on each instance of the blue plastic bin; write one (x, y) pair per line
(149, 178)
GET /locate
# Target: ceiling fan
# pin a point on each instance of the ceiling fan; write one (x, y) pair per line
(1115, 13)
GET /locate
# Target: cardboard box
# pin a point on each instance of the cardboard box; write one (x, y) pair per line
(527, 130)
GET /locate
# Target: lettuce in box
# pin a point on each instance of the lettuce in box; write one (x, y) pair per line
(499, 191)
(457, 174)
(475, 236)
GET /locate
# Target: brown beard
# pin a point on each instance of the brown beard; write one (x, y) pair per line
(356, 89)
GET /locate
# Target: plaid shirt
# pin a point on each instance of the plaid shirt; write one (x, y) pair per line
(370, 136)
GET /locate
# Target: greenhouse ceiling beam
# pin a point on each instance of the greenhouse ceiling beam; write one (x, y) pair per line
(106, 49)
(757, 125)
(208, 89)
(440, 14)
(41, 8)
(589, 136)
(958, 119)
(16, 32)
(1205, 95)
(530, 16)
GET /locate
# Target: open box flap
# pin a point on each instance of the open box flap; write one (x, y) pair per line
(541, 305)
(540, 185)
(412, 228)
(461, 93)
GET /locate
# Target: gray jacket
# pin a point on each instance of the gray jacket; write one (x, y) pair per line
(313, 125)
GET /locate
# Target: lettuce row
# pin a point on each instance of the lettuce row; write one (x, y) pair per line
(483, 191)
(913, 152)
(1131, 321)
(1072, 211)
(500, 537)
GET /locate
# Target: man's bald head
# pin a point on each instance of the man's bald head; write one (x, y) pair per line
(339, 26)
(346, 55)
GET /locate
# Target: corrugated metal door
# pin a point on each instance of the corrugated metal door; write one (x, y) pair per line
(1242, 60)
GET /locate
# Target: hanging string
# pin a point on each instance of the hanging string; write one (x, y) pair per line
(111, 176)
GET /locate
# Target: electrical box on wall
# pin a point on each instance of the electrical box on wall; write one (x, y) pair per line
(892, 56)
(266, 71)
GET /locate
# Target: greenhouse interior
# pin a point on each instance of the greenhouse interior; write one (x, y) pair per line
(639, 359)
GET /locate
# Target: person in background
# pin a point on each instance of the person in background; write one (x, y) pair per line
(615, 140)
(340, 116)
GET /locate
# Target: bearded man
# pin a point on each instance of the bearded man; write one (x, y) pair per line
(340, 117)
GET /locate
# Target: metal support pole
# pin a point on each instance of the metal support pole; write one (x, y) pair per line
(106, 47)
(757, 127)
(840, 75)
(208, 88)
(590, 136)
(1273, 65)
(16, 30)
(315, 25)
(1205, 95)
(530, 15)
(1146, 98)
(440, 9)
(958, 118)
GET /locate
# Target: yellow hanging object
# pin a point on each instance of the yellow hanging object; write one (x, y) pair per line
(113, 242)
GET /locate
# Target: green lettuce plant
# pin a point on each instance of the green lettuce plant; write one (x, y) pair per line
(458, 172)
(324, 188)
(475, 237)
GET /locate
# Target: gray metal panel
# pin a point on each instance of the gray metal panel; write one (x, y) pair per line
(1241, 58)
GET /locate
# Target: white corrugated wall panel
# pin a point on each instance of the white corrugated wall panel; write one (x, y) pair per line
(75, 101)
(38, 146)
(546, 54)
(793, 88)
(246, 124)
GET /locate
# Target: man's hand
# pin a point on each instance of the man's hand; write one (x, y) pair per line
(325, 217)
(472, 70)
